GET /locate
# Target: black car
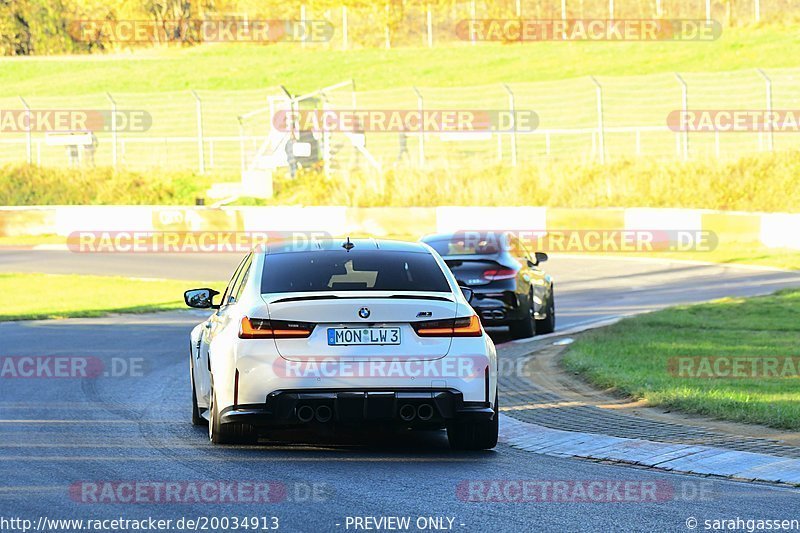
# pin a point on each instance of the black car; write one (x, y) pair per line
(510, 288)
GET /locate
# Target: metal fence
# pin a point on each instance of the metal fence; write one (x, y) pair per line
(582, 119)
(420, 23)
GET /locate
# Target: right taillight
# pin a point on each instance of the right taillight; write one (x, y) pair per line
(262, 328)
(468, 326)
(502, 273)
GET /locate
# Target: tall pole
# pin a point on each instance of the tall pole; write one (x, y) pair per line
(344, 28)
(429, 22)
(512, 109)
(768, 87)
(600, 127)
(29, 137)
(200, 143)
(685, 107)
(113, 129)
(420, 108)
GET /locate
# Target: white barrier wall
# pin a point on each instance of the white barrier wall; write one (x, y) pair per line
(774, 230)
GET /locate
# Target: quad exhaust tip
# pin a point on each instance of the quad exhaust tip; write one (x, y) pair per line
(408, 412)
(324, 413)
(425, 412)
(305, 413)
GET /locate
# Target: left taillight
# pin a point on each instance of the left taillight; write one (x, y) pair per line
(468, 326)
(262, 328)
(498, 274)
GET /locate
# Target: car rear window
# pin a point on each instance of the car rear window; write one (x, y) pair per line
(469, 244)
(352, 271)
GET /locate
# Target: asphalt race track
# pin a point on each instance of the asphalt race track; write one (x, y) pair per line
(61, 437)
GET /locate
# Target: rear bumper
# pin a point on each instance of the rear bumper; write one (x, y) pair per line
(497, 308)
(282, 408)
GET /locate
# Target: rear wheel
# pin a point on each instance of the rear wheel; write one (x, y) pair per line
(480, 435)
(230, 433)
(522, 329)
(548, 324)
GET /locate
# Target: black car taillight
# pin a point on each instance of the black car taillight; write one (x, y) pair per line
(502, 273)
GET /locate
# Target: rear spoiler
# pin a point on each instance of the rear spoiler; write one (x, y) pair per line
(361, 297)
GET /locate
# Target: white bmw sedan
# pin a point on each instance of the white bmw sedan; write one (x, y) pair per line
(338, 335)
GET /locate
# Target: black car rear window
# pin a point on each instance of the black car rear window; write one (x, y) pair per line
(372, 270)
(469, 244)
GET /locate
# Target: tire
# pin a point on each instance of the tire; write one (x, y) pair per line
(522, 329)
(197, 420)
(548, 324)
(480, 435)
(230, 433)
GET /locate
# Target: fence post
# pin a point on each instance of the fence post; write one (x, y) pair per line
(757, 8)
(344, 28)
(658, 9)
(519, 8)
(564, 10)
(708, 10)
(241, 141)
(685, 107)
(29, 137)
(513, 109)
(611, 9)
(600, 127)
(387, 37)
(429, 22)
(303, 23)
(113, 129)
(420, 108)
(768, 87)
(472, 15)
(200, 143)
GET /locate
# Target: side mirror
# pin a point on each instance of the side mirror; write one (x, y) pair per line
(468, 293)
(200, 298)
(541, 257)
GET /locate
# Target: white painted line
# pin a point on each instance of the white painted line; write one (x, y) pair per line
(575, 328)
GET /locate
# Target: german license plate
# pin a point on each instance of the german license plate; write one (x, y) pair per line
(363, 336)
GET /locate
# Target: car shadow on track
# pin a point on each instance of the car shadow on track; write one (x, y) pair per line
(368, 440)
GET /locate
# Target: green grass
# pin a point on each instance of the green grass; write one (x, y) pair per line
(305, 69)
(764, 182)
(31, 185)
(47, 296)
(633, 357)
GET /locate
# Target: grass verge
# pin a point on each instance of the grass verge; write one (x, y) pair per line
(46, 296)
(635, 357)
(764, 182)
(239, 66)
